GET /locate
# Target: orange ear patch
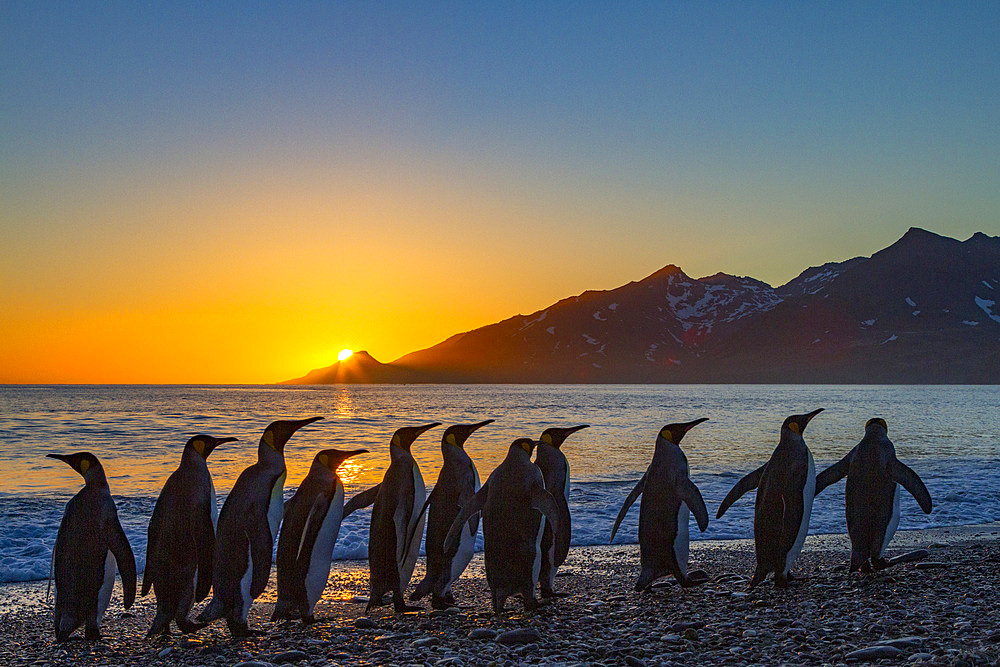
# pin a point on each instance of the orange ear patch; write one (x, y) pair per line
(793, 427)
(526, 446)
(199, 446)
(84, 466)
(451, 440)
(546, 438)
(268, 439)
(395, 440)
(324, 460)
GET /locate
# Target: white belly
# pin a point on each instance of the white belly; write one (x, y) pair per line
(214, 508)
(322, 552)
(414, 527)
(107, 586)
(466, 544)
(566, 484)
(536, 567)
(274, 510)
(681, 541)
(890, 530)
(808, 492)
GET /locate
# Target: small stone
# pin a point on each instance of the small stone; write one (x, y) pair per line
(165, 652)
(482, 633)
(684, 625)
(902, 643)
(671, 638)
(364, 623)
(359, 599)
(930, 565)
(617, 598)
(520, 636)
(634, 662)
(872, 653)
(289, 656)
(253, 663)
(424, 642)
(691, 634)
(921, 657)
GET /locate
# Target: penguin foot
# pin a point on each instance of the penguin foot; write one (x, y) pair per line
(92, 633)
(186, 627)
(441, 602)
(548, 593)
(240, 629)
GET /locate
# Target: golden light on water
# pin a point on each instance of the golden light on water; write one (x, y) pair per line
(344, 354)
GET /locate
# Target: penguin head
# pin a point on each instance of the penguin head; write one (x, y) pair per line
(405, 436)
(278, 433)
(457, 435)
(332, 458)
(84, 463)
(555, 436)
(797, 423)
(673, 433)
(204, 444)
(525, 444)
(876, 422)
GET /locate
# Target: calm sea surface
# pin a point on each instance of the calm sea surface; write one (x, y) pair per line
(950, 435)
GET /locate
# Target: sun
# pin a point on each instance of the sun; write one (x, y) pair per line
(344, 354)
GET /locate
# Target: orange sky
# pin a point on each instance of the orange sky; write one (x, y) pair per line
(212, 194)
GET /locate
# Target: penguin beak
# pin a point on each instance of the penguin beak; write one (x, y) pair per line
(807, 418)
(59, 457)
(296, 425)
(577, 428)
(691, 425)
(420, 429)
(476, 427)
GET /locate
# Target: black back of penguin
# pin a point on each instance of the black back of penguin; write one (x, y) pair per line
(180, 543)
(88, 532)
(244, 537)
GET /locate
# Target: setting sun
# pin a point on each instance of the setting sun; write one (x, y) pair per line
(344, 354)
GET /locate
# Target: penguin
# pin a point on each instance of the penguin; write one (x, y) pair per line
(668, 495)
(872, 498)
(555, 471)
(785, 485)
(457, 482)
(180, 542)
(308, 534)
(396, 523)
(515, 507)
(90, 546)
(248, 524)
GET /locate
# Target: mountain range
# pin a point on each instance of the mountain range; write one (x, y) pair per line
(923, 310)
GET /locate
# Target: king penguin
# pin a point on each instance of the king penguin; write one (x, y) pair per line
(457, 482)
(872, 497)
(555, 471)
(180, 541)
(308, 534)
(396, 524)
(515, 507)
(90, 546)
(668, 497)
(785, 485)
(248, 524)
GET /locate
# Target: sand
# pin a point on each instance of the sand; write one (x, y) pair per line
(945, 614)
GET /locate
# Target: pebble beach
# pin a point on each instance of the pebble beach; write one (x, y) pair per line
(940, 610)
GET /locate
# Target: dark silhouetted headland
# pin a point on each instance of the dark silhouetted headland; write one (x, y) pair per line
(923, 311)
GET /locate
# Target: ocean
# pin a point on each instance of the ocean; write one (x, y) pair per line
(950, 435)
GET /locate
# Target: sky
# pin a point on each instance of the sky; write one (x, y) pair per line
(234, 192)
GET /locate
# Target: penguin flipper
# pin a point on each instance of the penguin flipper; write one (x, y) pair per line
(543, 501)
(909, 480)
(639, 487)
(410, 535)
(361, 501)
(122, 551)
(692, 498)
(836, 472)
(204, 538)
(475, 505)
(259, 536)
(749, 482)
(310, 531)
(153, 547)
